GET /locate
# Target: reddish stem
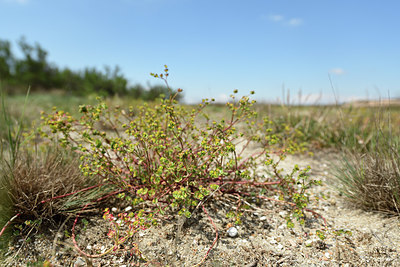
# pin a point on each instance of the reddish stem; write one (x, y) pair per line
(216, 235)
(247, 182)
(8, 223)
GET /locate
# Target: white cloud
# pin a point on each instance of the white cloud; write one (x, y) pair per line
(295, 22)
(277, 18)
(337, 71)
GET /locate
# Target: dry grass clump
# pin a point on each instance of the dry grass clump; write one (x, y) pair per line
(38, 178)
(371, 180)
(42, 189)
(370, 177)
(45, 188)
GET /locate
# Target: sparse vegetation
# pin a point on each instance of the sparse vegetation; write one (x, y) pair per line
(336, 127)
(164, 159)
(366, 137)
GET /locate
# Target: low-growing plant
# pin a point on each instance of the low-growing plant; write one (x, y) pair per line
(165, 158)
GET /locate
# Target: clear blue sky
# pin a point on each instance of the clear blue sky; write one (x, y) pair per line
(213, 47)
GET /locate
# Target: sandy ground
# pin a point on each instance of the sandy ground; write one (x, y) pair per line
(262, 238)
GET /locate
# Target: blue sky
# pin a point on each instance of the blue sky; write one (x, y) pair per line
(214, 47)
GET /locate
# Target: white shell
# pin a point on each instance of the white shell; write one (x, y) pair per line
(232, 232)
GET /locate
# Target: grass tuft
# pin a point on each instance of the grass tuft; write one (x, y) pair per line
(371, 181)
(370, 178)
(38, 178)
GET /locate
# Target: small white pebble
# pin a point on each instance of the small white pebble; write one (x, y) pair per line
(263, 218)
(128, 208)
(89, 247)
(327, 255)
(114, 209)
(280, 247)
(232, 232)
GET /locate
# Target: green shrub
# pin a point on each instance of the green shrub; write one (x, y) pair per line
(166, 158)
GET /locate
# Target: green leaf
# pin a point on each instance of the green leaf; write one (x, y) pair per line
(214, 186)
(320, 234)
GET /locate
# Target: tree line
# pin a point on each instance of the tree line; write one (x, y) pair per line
(34, 70)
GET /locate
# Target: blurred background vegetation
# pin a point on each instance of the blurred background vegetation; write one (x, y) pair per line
(34, 70)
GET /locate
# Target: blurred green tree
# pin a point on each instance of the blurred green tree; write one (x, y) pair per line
(34, 70)
(6, 60)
